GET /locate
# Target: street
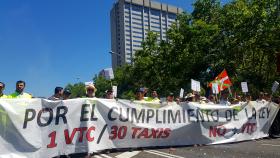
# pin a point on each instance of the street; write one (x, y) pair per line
(262, 148)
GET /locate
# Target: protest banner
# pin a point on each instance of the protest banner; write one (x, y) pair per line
(42, 128)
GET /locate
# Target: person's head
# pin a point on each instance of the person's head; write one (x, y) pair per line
(224, 94)
(211, 98)
(267, 96)
(90, 90)
(154, 94)
(20, 85)
(109, 94)
(2, 87)
(170, 97)
(58, 91)
(196, 96)
(66, 93)
(189, 97)
(140, 94)
(261, 95)
(248, 97)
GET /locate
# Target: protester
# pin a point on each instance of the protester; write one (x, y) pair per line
(109, 94)
(58, 94)
(170, 98)
(90, 91)
(140, 94)
(203, 100)
(261, 97)
(196, 96)
(178, 100)
(2, 87)
(19, 92)
(224, 98)
(189, 97)
(155, 96)
(211, 99)
(267, 96)
(274, 131)
(66, 94)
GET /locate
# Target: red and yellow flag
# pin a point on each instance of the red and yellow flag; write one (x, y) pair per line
(222, 80)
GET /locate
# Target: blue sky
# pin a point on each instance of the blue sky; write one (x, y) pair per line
(50, 43)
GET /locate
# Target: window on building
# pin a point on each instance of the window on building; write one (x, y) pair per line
(155, 12)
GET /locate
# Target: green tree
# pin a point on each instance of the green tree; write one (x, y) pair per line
(77, 90)
(241, 36)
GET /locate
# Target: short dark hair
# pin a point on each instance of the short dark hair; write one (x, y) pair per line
(3, 84)
(67, 91)
(57, 90)
(20, 81)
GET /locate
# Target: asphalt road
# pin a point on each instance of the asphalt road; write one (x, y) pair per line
(263, 148)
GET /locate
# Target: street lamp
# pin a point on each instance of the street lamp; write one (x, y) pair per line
(114, 53)
(118, 62)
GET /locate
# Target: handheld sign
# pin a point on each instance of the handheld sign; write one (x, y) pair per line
(181, 93)
(275, 86)
(244, 87)
(215, 88)
(115, 88)
(195, 85)
(88, 83)
(109, 73)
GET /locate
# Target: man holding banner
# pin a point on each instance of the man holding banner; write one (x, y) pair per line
(2, 87)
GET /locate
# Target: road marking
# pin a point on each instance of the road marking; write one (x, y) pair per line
(271, 145)
(128, 154)
(157, 154)
(104, 155)
(163, 154)
(160, 152)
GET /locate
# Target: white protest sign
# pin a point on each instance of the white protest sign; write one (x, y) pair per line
(109, 73)
(88, 83)
(244, 87)
(195, 85)
(215, 88)
(115, 91)
(275, 86)
(181, 93)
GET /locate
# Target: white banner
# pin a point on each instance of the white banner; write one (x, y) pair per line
(35, 128)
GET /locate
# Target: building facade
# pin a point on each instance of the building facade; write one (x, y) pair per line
(130, 22)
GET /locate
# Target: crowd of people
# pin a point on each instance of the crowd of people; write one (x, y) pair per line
(143, 95)
(59, 92)
(224, 98)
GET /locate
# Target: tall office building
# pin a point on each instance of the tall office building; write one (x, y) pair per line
(130, 22)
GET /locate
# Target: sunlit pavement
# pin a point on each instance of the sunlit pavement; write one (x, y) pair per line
(262, 148)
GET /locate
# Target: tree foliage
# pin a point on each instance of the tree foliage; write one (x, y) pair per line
(77, 90)
(242, 36)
